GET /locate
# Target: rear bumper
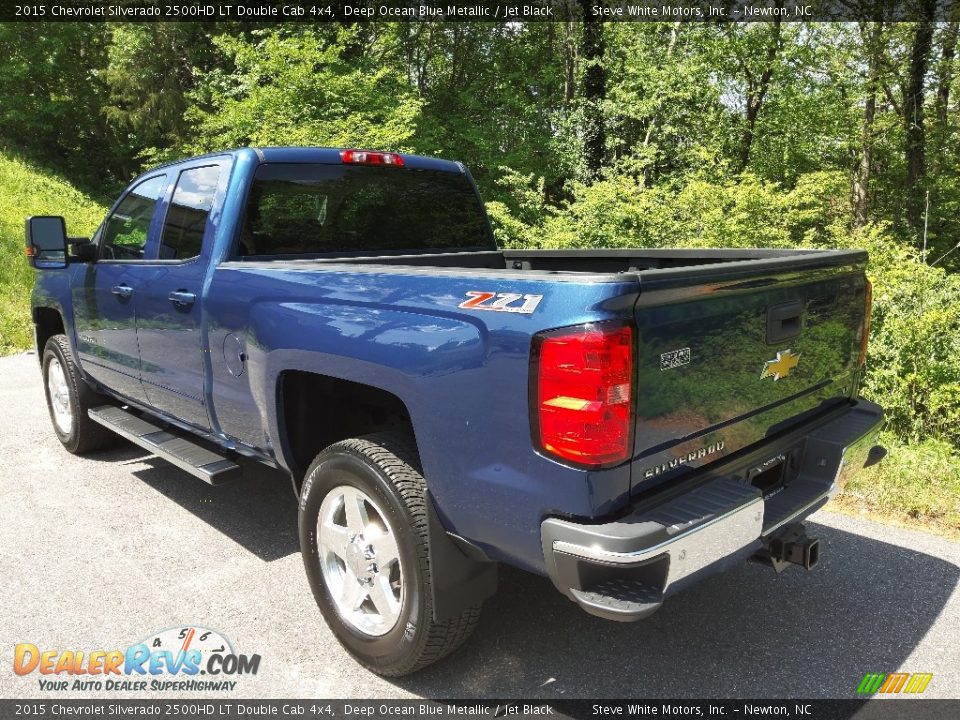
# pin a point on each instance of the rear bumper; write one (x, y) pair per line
(623, 570)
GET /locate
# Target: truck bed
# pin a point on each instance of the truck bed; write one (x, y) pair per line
(615, 261)
(709, 320)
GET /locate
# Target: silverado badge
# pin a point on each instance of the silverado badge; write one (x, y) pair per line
(781, 365)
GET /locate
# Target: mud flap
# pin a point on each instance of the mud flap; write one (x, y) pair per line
(462, 576)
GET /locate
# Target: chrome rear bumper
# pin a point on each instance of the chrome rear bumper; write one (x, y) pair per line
(623, 570)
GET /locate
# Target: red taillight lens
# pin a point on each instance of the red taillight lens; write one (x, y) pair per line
(583, 400)
(865, 329)
(366, 157)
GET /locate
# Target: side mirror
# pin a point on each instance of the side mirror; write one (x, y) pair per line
(46, 242)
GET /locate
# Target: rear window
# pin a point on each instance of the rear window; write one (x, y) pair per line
(296, 209)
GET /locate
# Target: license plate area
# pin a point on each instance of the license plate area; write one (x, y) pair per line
(770, 476)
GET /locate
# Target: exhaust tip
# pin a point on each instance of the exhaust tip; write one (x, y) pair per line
(811, 555)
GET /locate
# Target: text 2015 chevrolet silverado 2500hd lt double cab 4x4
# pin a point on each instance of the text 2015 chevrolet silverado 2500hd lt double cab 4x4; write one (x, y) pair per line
(621, 421)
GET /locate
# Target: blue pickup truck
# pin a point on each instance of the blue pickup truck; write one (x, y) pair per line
(623, 421)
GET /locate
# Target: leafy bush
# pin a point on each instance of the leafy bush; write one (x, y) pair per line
(913, 364)
(619, 211)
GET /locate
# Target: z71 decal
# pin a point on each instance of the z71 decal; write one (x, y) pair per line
(501, 302)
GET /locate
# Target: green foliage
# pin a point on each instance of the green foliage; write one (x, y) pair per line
(914, 359)
(149, 71)
(52, 91)
(301, 90)
(620, 211)
(25, 190)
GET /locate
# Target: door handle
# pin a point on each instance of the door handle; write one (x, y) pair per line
(123, 292)
(182, 298)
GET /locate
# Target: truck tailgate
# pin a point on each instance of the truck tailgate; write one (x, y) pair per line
(732, 353)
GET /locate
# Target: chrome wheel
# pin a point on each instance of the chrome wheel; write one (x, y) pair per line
(59, 393)
(360, 560)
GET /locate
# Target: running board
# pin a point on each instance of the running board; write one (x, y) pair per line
(185, 454)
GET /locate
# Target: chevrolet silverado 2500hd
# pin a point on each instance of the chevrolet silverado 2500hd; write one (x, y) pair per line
(621, 421)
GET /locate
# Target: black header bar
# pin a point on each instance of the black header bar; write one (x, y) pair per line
(316, 11)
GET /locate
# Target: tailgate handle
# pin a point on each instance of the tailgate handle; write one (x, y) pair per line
(784, 321)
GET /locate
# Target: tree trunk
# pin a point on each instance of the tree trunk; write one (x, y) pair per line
(945, 73)
(756, 91)
(861, 182)
(593, 95)
(569, 64)
(914, 131)
(674, 33)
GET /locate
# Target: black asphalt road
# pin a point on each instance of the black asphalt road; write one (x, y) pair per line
(99, 552)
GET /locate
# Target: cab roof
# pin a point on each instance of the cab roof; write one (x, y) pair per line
(323, 155)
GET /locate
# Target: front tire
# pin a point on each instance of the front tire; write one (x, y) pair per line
(363, 533)
(69, 398)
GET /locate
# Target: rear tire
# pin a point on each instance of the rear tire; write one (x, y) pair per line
(69, 398)
(371, 577)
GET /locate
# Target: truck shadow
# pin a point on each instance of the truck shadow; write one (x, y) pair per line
(748, 633)
(258, 511)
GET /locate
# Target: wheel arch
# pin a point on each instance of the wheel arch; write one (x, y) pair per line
(316, 410)
(47, 322)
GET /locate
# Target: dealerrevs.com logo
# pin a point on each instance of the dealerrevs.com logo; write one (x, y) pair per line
(179, 659)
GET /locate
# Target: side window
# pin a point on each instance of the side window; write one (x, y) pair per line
(187, 216)
(125, 231)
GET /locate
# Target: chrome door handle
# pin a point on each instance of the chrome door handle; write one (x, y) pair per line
(182, 298)
(124, 292)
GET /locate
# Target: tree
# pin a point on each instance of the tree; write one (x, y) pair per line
(593, 94)
(914, 145)
(52, 92)
(945, 70)
(872, 41)
(149, 74)
(757, 80)
(300, 88)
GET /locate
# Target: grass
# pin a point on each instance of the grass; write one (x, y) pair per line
(915, 486)
(26, 189)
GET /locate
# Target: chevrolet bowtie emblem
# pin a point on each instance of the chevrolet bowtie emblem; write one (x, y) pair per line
(781, 365)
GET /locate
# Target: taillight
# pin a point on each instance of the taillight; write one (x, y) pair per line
(865, 328)
(581, 390)
(367, 157)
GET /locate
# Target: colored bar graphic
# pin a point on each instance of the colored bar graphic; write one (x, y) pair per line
(893, 683)
(871, 683)
(918, 682)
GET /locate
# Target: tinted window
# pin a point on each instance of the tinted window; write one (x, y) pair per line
(187, 216)
(299, 209)
(125, 232)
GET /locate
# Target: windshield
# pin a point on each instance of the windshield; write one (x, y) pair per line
(296, 209)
